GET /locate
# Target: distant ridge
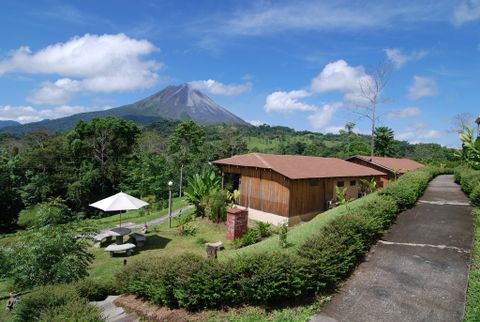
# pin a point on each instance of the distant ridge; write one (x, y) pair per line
(181, 102)
(8, 123)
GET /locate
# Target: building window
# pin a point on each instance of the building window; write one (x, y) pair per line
(340, 184)
(313, 182)
(353, 182)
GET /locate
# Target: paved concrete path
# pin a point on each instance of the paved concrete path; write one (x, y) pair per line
(418, 271)
(113, 313)
(153, 222)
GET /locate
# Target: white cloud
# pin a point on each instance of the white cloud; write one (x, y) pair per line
(272, 17)
(287, 102)
(27, 114)
(419, 133)
(422, 87)
(404, 113)
(94, 63)
(339, 76)
(465, 12)
(217, 88)
(398, 58)
(256, 122)
(322, 116)
(333, 129)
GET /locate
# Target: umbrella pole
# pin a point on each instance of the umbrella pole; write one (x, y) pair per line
(120, 219)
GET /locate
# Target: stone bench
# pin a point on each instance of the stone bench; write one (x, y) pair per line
(139, 239)
(114, 248)
(101, 238)
(212, 249)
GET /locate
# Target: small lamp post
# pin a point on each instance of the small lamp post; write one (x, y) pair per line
(478, 124)
(170, 183)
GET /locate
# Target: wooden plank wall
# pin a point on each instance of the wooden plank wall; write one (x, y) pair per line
(307, 196)
(262, 189)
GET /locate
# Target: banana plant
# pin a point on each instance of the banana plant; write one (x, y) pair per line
(200, 186)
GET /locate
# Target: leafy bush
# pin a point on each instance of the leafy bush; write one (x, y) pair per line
(48, 213)
(251, 237)
(30, 306)
(95, 290)
(215, 205)
(48, 256)
(199, 187)
(263, 229)
(282, 235)
(74, 311)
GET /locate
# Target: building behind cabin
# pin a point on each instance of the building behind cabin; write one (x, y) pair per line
(393, 167)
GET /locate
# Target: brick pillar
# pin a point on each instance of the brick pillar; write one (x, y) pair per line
(237, 220)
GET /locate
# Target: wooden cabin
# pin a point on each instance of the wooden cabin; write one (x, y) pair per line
(393, 167)
(290, 188)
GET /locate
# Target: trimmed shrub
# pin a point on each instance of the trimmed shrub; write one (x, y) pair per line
(475, 195)
(155, 278)
(75, 311)
(406, 190)
(206, 284)
(30, 306)
(95, 290)
(271, 277)
(381, 211)
(335, 250)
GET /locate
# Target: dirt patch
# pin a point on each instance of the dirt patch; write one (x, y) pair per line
(154, 313)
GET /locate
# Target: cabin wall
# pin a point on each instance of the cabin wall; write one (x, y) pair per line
(262, 189)
(308, 195)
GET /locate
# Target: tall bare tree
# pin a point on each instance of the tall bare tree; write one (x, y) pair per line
(371, 94)
(460, 121)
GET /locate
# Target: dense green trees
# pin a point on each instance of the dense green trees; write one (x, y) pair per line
(105, 155)
(46, 256)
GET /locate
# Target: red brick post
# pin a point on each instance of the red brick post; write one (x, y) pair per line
(237, 220)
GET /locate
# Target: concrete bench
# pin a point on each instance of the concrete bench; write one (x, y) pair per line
(212, 249)
(102, 237)
(114, 248)
(139, 239)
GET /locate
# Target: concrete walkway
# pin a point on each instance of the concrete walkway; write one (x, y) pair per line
(418, 271)
(154, 222)
(113, 313)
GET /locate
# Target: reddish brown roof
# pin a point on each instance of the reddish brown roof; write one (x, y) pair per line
(301, 167)
(391, 164)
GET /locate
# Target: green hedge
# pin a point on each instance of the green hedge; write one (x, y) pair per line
(469, 180)
(324, 260)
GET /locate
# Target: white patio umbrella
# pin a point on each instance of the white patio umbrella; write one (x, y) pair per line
(119, 202)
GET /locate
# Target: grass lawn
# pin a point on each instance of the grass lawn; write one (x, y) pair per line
(161, 241)
(472, 306)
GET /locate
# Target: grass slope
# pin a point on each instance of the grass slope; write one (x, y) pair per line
(472, 306)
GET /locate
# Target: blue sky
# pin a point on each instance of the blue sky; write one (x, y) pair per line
(291, 63)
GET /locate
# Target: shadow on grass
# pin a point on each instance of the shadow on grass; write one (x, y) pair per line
(155, 242)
